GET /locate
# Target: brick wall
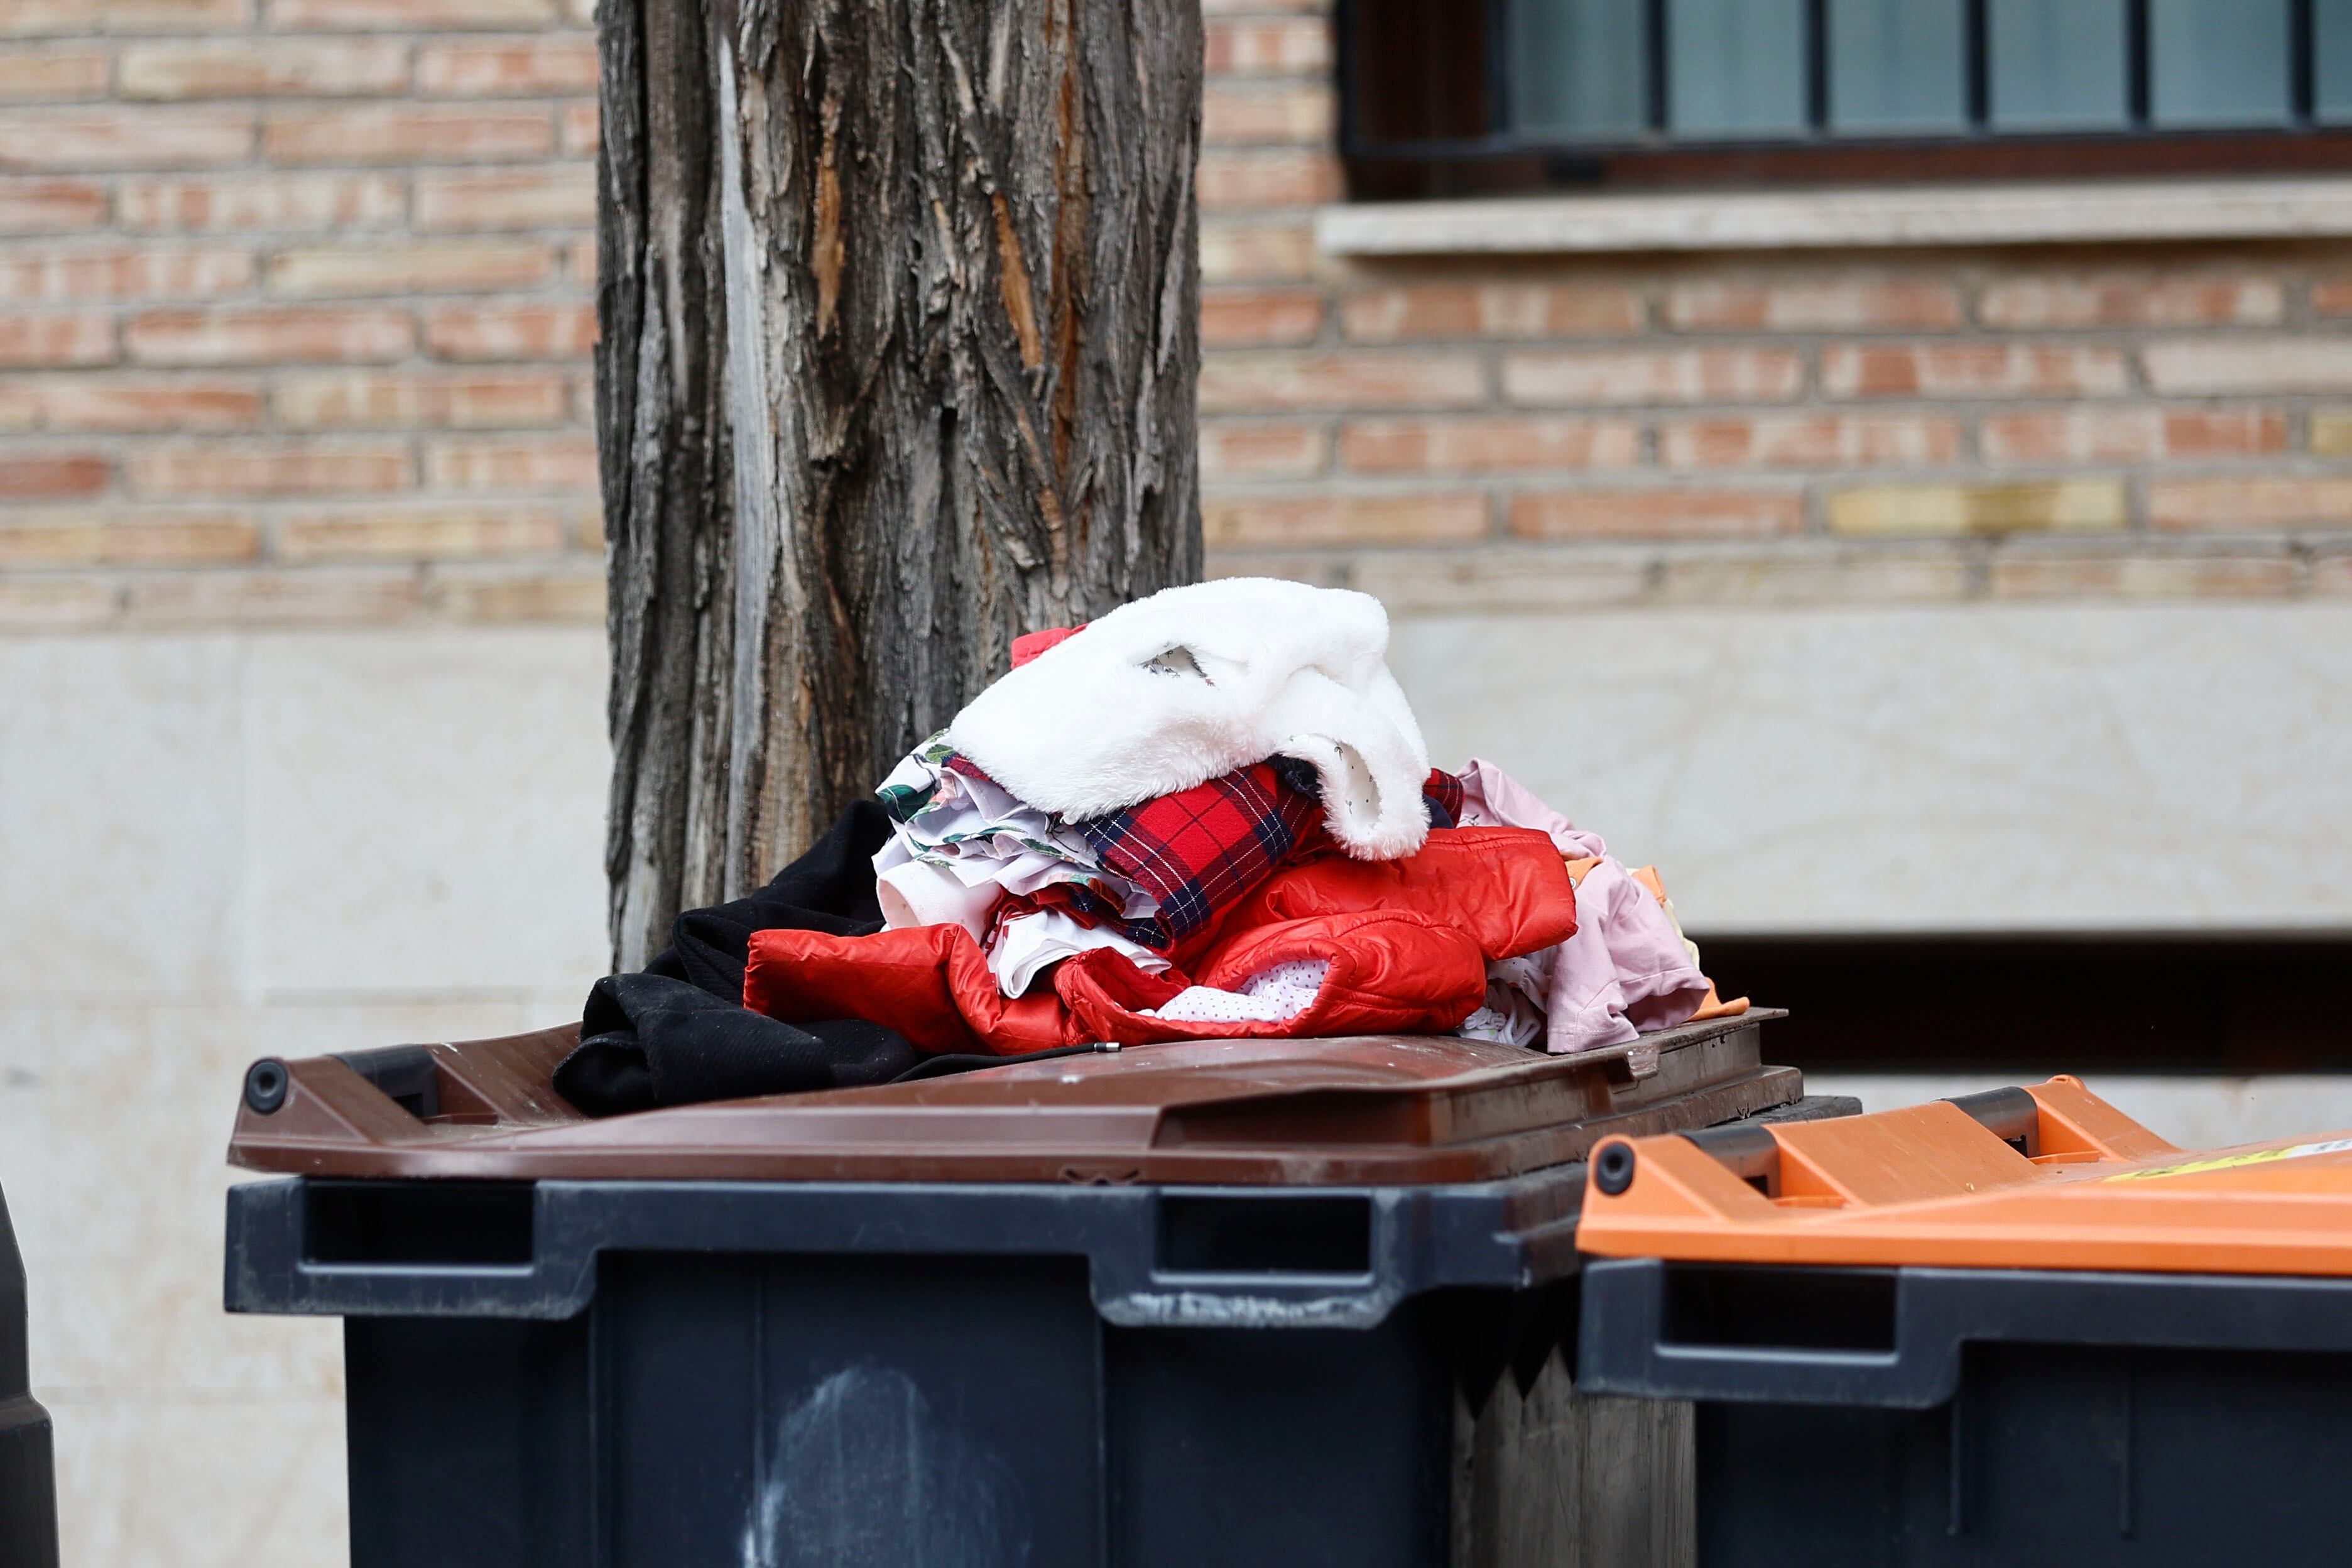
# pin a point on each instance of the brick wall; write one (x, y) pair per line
(1931, 424)
(295, 306)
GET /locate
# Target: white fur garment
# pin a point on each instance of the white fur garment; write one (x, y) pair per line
(1175, 690)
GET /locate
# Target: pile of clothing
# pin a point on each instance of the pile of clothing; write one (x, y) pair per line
(1209, 814)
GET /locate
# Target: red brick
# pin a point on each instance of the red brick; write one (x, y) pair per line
(1285, 177)
(1971, 370)
(270, 203)
(2039, 574)
(51, 476)
(30, 18)
(508, 67)
(1810, 441)
(1264, 451)
(266, 336)
(62, 337)
(264, 67)
(1291, 114)
(412, 266)
(2069, 505)
(1779, 574)
(55, 603)
(569, 594)
(52, 75)
(362, 400)
(1815, 305)
(511, 332)
(54, 277)
(2331, 573)
(2029, 303)
(304, 598)
(1252, 382)
(557, 195)
(1657, 514)
(473, 467)
(2208, 365)
(407, 134)
(1259, 317)
(1504, 445)
(1261, 48)
(113, 406)
(141, 539)
(580, 260)
(1257, 253)
(117, 138)
(415, 533)
(2251, 502)
(407, 16)
(581, 131)
(1247, 524)
(2332, 296)
(1620, 376)
(1489, 311)
(50, 206)
(2130, 435)
(170, 473)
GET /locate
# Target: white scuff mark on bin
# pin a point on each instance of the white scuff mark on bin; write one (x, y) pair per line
(1203, 1309)
(863, 1473)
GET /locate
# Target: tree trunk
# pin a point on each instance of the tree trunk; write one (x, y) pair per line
(899, 345)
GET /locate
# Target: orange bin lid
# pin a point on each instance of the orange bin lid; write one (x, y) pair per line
(2064, 1181)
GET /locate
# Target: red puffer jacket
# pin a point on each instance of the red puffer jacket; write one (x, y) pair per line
(1406, 941)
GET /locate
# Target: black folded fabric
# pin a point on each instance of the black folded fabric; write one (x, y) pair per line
(678, 1034)
(830, 888)
(648, 1040)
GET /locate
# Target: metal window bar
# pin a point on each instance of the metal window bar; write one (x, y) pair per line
(2302, 62)
(1499, 136)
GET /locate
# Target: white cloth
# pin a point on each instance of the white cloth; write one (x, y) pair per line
(1027, 945)
(1270, 996)
(958, 845)
(1193, 682)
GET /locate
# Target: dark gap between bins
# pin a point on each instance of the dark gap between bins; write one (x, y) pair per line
(417, 1221)
(1265, 1235)
(1781, 1309)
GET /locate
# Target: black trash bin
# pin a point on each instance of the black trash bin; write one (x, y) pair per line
(1226, 1303)
(28, 1496)
(2011, 1330)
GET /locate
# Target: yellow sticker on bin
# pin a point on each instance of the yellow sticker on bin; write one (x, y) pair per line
(2230, 1162)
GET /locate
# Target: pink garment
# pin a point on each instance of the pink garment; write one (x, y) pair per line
(1627, 971)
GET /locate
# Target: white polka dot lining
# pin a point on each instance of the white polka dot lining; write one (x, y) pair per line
(1270, 996)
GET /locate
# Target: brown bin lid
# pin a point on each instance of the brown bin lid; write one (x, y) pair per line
(1389, 1109)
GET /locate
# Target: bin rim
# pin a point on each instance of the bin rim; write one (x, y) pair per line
(2048, 1176)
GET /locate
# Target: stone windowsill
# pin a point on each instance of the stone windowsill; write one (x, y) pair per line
(2046, 213)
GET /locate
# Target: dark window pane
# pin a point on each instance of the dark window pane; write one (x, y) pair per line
(1735, 68)
(1897, 65)
(2217, 62)
(2057, 65)
(1421, 70)
(2331, 44)
(1578, 68)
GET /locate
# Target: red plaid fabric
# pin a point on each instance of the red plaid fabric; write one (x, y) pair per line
(1199, 851)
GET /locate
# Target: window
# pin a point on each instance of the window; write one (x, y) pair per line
(1445, 97)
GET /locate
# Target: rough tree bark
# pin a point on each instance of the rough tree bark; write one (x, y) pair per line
(898, 354)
